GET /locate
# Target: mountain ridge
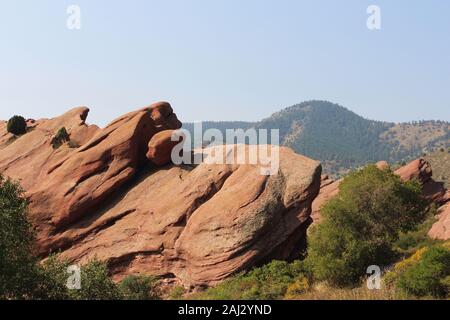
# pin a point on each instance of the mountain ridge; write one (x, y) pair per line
(344, 140)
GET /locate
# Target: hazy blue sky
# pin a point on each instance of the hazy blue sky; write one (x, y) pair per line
(225, 59)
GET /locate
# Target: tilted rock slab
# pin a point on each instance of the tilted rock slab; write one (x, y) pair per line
(197, 224)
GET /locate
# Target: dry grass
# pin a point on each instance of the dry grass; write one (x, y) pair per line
(322, 291)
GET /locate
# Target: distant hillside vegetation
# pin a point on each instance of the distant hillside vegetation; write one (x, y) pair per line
(440, 163)
(330, 133)
(343, 140)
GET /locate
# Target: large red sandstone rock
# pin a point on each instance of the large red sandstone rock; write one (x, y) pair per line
(197, 224)
(203, 224)
(66, 185)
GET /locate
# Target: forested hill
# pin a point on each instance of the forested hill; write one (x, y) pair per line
(343, 140)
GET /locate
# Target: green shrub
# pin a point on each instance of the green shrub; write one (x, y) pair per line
(18, 269)
(52, 280)
(21, 274)
(446, 284)
(60, 138)
(361, 224)
(177, 293)
(430, 276)
(139, 288)
(96, 283)
(411, 241)
(17, 125)
(268, 282)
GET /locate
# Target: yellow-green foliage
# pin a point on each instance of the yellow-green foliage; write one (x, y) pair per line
(391, 277)
(424, 274)
(270, 281)
(177, 293)
(300, 286)
(446, 244)
(406, 263)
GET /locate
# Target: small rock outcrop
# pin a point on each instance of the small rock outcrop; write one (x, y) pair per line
(418, 169)
(441, 229)
(421, 170)
(160, 147)
(382, 165)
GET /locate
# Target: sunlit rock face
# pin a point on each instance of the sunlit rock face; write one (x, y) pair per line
(112, 194)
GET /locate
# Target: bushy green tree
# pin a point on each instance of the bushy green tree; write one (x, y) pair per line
(22, 276)
(362, 223)
(137, 287)
(17, 125)
(51, 283)
(18, 269)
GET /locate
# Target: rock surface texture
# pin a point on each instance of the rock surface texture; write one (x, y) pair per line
(328, 189)
(160, 147)
(195, 224)
(441, 229)
(421, 170)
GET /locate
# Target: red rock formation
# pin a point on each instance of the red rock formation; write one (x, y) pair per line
(441, 229)
(420, 169)
(160, 147)
(27, 157)
(198, 224)
(5, 137)
(433, 191)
